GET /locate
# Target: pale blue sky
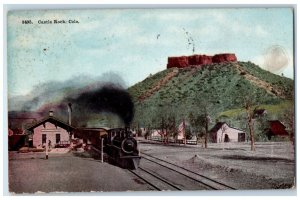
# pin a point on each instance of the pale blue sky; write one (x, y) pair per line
(126, 41)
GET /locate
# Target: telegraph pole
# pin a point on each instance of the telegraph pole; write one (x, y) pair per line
(184, 133)
(47, 149)
(102, 150)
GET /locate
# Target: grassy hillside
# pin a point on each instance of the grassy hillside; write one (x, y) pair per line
(139, 88)
(273, 110)
(219, 87)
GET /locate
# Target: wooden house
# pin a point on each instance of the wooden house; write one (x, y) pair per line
(222, 132)
(276, 128)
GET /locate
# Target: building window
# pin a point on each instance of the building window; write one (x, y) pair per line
(57, 138)
(44, 138)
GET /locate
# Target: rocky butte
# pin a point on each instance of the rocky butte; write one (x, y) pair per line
(187, 61)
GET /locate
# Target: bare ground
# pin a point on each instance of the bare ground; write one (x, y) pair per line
(271, 166)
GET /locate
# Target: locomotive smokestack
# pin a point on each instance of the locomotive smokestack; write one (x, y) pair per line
(70, 113)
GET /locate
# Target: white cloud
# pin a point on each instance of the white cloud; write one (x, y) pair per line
(288, 70)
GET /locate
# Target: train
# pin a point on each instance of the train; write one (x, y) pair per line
(118, 143)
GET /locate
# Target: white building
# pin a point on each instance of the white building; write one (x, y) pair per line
(222, 132)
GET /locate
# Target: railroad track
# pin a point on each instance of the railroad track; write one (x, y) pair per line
(207, 182)
(158, 183)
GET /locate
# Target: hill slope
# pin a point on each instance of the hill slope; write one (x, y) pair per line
(220, 87)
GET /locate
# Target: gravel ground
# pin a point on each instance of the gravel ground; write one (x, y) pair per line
(69, 172)
(271, 166)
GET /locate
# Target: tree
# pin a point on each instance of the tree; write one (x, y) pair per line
(262, 128)
(188, 132)
(250, 103)
(204, 120)
(164, 119)
(198, 124)
(288, 118)
(200, 116)
(169, 124)
(290, 123)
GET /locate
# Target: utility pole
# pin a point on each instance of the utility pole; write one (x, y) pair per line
(47, 149)
(102, 150)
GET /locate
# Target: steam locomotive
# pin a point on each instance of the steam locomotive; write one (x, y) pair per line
(119, 145)
(122, 148)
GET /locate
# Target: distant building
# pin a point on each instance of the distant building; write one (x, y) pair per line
(222, 132)
(50, 129)
(157, 133)
(18, 122)
(276, 128)
(184, 130)
(181, 130)
(16, 139)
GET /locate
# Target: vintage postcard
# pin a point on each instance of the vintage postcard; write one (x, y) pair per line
(106, 100)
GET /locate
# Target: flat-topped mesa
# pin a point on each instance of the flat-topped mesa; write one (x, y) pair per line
(179, 62)
(200, 60)
(187, 61)
(225, 57)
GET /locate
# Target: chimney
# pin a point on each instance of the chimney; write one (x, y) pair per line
(51, 113)
(70, 112)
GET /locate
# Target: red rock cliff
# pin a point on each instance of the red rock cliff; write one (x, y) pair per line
(200, 60)
(225, 57)
(179, 62)
(186, 61)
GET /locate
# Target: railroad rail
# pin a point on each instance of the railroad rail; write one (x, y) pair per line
(206, 181)
(159, 183)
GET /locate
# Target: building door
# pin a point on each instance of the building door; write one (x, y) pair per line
(57, 137)
(241, 137)
(44, 138)
(226, 139)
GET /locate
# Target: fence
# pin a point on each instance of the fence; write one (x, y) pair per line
(172, 140)
(62, 144)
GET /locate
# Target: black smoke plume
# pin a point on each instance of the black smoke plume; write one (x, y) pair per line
(108, 98)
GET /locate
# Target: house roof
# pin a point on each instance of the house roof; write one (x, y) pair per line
(220, 124)
(276, 122)
(277, 128)
(52, 120)
(217, 126)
